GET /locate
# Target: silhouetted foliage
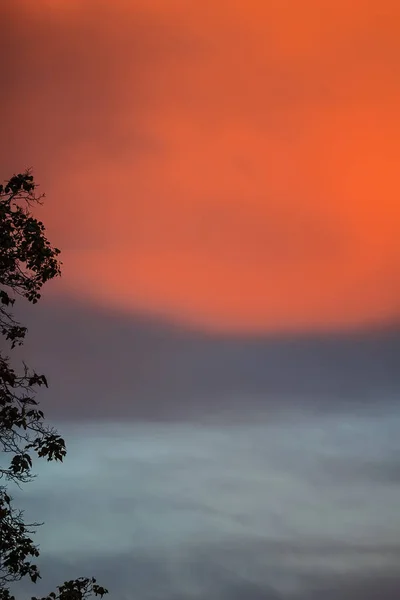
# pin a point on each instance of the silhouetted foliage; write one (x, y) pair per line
(27, 261)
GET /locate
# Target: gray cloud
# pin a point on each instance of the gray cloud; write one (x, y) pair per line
(147, 577)
(105, 364)
(200, 511)
(375, 471)
(366, 587)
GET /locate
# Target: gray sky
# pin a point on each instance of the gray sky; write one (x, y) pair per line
(215, 466)
(288, 509)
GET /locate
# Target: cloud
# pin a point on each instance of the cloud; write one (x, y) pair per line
(363, 588)
(374, 470)
(146, 578)
(103, 364)
(246, 511)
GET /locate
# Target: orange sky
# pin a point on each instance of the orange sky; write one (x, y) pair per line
(234, 164)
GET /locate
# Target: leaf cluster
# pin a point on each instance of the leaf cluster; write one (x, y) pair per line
(27, 262)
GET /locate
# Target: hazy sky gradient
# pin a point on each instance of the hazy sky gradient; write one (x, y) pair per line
(231, 164)
(220, 175)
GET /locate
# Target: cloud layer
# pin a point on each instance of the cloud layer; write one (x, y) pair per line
(102, 364)
(273, 510)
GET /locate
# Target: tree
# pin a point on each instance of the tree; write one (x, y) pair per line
(27, 262)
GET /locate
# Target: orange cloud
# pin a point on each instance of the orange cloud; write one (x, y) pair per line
(230, 164)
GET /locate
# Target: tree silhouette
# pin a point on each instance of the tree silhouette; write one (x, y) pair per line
(27, 262)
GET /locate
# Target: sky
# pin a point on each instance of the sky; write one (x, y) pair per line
(222, 347)
(228, 164)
